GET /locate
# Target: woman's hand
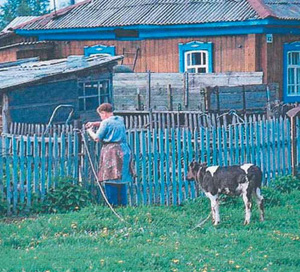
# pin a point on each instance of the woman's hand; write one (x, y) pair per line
(89, 125)
(92, 124)
(92, 134)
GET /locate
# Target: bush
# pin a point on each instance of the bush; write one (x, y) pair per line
(274, 195)
(66, 197)
(3, 205)
(285, 184)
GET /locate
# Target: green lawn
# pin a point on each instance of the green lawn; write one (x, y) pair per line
(155, 239)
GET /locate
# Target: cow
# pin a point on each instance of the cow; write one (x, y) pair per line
(242, 180)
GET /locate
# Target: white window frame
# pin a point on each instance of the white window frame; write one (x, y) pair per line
(296, 71)
(188, 55)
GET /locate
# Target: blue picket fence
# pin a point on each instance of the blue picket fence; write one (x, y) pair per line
(31, 165)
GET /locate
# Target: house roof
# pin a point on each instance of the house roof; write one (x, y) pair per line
(31, 70)
(18, 21)
(117, 13)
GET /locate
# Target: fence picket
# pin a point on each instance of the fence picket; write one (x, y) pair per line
(144, 167)
(150, 158)
(161, 137)
(15, 167)
(137, 165)
(167, 174)
(22, 169)
(2, 153)
(7, 172)
(43, 168)
(155, 167)
(185, 162)
(179, 158)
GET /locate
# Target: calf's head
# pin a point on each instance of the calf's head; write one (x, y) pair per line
(196, 170)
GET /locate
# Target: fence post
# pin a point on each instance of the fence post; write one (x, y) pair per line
(292, 114)
(149, 90)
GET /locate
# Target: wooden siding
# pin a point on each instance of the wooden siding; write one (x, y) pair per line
(162, 55)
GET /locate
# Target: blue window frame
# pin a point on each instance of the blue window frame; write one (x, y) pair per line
(291, 72)
(99, 49)
(196, 57)
(93, 93)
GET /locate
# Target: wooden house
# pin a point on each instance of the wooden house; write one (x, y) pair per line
(168, 36)
(31, 89)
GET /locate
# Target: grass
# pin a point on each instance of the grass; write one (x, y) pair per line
(155, 239)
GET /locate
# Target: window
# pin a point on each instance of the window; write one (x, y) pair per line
(293, 71)
(92, 94)
(195, 57)
(196, 61)
(126, 33)
(291, 80)
(99, 49)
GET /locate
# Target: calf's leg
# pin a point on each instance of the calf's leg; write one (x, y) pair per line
(260, 203)
(214, 202)
(248, 205)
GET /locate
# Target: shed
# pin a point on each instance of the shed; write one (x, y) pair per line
(32, 89)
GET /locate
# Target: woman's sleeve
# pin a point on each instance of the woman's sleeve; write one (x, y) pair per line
(102, 130)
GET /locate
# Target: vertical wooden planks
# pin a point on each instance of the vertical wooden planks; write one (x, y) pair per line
(161, 137)
(174, 187)
(179, 166)
(15, 167)
(36, 160)
(29, 157)
(43, 168)
(155, 167)
(137, 165)
(150, 159)
(2, 154)
(22, 170)
(8, 174)
(144, 167)
(168, 167)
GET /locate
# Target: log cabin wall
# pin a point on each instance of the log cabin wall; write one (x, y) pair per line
(162, 55)
(271, 57)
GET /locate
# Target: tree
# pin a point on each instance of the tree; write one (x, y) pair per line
(14, 8)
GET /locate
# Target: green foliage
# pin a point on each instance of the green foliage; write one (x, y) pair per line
(66, 197)
(3, 206)
(14, 8)
(275, 194)
(285, 184)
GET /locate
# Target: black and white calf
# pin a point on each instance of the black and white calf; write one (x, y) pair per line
(243, 180)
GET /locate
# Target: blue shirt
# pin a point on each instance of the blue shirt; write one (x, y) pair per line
(112, 130)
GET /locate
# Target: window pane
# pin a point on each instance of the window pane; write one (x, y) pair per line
(295, 58)
(103, 87)
(204, 58)
(81, 104)
(196, 59)
(188, 59)
(91, 103)
(201, 70)
(104, 99)
(291, 79)
(91, 88)
(191, 70)
(80, 89)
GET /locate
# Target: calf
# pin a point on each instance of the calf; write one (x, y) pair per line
(243, 180)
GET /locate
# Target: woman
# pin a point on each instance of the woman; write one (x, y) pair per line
(115, 168)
